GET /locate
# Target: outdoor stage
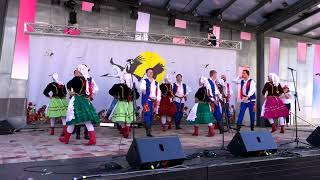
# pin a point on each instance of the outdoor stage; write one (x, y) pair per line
(35, 154)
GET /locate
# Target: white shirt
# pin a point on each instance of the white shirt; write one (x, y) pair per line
(285, 100)
(252, 89)
(153, 89)
(180, 93)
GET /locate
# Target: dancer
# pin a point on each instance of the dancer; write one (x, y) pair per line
(124, 111)
(227, 92)
(150, 100)
(273, 106)
(215, 96)
(80, 109)
(58, 105)
(167, 108)
(248, 98)
(286, 99)
(201, 112)
(180, 92)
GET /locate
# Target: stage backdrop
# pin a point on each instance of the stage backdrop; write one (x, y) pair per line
(49, 54)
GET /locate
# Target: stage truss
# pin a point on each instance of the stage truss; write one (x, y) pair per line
(99, 33)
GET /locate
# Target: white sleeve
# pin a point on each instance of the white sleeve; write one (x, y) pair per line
(143, 85)
(159, 94)
(237, 80)
(95, 88)
(252, 88)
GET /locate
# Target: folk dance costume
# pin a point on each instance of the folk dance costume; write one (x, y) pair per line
(227, 92)
(123, 113)
(248, 99)
(80, 109)
(149, 101)
(58, 104)
(273, 106)
(167, 108)
(201, 112)
(180, 92)
(215, 96)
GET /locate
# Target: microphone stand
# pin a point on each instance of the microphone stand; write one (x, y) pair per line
(296, 106)
(134, 107)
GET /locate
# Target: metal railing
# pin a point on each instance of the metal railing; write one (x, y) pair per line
(100, 33)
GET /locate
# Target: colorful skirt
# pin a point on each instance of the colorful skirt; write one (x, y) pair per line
(81, 110)
(200, 114)
(166, 107)
(273, 108)
(123, 112)
(57, 108)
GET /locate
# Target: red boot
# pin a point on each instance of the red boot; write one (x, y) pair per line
(170, 125)
(210, 131)
(66, 138)
(163, 127)
(196, 131)
(64, 131)
(216, 126)
(282, 129)
(126, 132)
(274, 128)
(52, 131)
(92, 140)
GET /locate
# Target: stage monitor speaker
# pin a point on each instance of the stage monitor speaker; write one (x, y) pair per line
(314, 137)
(252, 143)
(6, 128)
(157, 152)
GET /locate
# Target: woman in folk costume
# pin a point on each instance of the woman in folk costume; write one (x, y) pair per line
(167, 108)
(124, 111)
(58, 105)
(201, 112)
(80, 109)
(273, 106)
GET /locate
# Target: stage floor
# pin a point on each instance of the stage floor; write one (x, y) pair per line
(31, 146)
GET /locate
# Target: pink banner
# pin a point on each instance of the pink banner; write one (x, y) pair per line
(316, 84)
(87, 6)
(27, 12)
(179, 40)
(245, 36)
(302, 52)
(180, 23)
(274, 55)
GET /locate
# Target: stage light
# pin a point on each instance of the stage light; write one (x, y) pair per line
(55, 2)
(69, 4)
(134, 13)
(72, 17)
(171, 20)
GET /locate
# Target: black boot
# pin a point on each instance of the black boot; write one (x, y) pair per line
(148, 132)
(252, 127)
(77, 130)
(86, 135)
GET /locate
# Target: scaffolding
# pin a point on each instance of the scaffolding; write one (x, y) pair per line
(100, 33)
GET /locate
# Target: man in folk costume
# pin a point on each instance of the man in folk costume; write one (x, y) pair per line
(215, 96)
(124, 110)
(180, 92)
(248, 98)
(273, 107)
(227, 92)
(167, 108)
(58, 104)
(150, 100)
(201, 112)
(80, 109)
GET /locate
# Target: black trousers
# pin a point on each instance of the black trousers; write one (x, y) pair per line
(289, 108)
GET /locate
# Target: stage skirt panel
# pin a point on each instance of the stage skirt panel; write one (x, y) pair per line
(200, 114)
(57, 108)
(81, 110)
(123, 112)
(273, 108)
(166, 107)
